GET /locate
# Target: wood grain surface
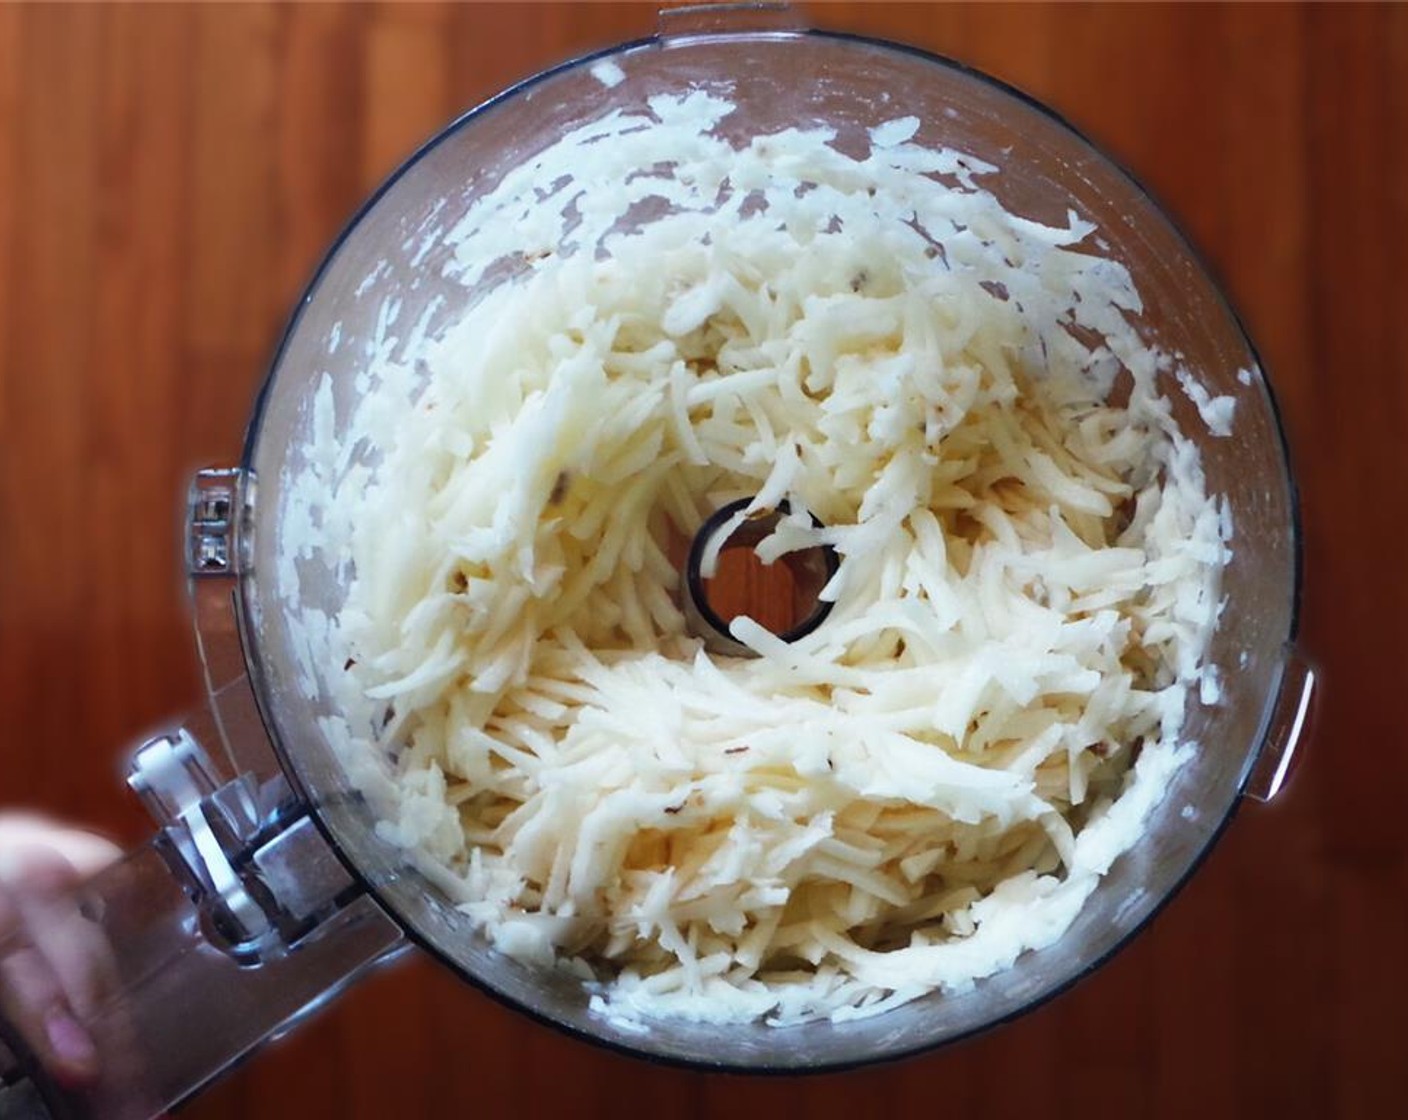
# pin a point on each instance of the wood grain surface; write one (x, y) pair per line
(169, 175)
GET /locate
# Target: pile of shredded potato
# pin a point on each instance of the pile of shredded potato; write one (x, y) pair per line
(905, 799)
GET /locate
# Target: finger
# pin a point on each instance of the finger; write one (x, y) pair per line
(86, 851)
(54, 968)
(32, 1001)
(74, 946)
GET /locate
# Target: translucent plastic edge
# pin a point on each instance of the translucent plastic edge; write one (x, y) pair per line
(1287, 725)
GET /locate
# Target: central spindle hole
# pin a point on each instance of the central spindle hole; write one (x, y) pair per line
(782, 596)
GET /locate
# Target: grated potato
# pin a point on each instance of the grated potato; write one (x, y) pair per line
(909, 797)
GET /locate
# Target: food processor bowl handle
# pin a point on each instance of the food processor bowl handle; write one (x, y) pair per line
(233, 923)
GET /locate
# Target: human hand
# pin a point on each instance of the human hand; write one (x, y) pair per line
(55, 967)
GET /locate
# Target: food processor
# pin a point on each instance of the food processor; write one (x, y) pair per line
(267, 888)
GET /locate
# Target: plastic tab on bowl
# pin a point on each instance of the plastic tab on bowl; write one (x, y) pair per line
(696, 20)
(1288, 724)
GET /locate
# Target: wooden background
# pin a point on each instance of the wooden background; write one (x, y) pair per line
(170, 175)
